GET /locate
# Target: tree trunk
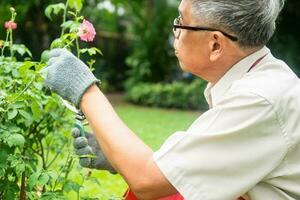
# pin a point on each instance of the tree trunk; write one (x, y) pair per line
(23, 191)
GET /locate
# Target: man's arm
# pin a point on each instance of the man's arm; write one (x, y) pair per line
(129, 155)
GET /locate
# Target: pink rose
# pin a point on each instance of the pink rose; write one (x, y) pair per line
(86, 31)
(10, 25)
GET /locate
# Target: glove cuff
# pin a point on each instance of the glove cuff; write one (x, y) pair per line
(81, 85)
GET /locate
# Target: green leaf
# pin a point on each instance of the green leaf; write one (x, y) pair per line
(52, 174)
(19, 104)
(54, 8)
(16, 140)
(14, 128)
(25, 114)
(91, 51)
(15, 73)
(20, 168)
(76, 4)
(69, 186)
(43, 179)
(17, 163)
(2, 172)
(3, 157)
(10, 192)
(45, 56)
(57, 195)
(12, 114)
(57, 43)
(71, 25)
(26, 66)
(33, 179)
(36, 109)
(69, 36)
(21, 49)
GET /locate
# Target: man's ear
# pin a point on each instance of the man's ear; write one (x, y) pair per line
(216, 45)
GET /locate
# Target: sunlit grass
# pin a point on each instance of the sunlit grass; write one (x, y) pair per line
(154, 125)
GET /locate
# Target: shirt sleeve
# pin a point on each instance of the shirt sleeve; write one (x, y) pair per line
(226, 151)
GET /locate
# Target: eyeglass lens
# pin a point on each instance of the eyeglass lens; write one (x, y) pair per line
(177, 30)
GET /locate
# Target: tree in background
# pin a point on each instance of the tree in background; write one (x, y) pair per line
(286, 42)
(152, 59)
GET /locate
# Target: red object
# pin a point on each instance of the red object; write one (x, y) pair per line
(130, 196)
(86, 31)
(10, 25)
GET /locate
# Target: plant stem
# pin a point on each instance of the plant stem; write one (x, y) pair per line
(55, 157)
(42, 154)
(77, 43)
(24, 90)
(70, 42)
(68, 168)
(64, 18)
(81, 184)
(61, 171)
(11, 44)
(77, 48)
(4, 45)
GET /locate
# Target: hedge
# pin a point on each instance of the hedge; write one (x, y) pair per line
(180, 95)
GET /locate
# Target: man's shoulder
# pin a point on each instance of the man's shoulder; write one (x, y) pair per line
(271, 80)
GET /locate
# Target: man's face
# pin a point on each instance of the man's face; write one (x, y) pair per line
(191, 47)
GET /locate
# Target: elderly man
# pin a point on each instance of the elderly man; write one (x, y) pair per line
(247, 144)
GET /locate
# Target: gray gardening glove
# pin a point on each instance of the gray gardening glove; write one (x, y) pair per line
(68, 76)
(88, 145)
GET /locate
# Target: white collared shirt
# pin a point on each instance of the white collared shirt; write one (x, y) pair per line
(248, 142)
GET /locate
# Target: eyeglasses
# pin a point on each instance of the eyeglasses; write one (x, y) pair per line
(177, 27)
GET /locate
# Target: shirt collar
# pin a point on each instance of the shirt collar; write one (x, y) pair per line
(213, 93)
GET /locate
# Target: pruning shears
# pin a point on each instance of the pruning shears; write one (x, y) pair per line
(79, 118)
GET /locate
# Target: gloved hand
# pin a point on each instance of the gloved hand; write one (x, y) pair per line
(88, 145)
(68, 76)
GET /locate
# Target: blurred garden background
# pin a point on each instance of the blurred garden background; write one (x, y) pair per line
(136, 39)
(138, 71)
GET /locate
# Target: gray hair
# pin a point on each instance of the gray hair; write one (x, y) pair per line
(252, 21)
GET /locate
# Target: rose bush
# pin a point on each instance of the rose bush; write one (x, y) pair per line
(36, 157)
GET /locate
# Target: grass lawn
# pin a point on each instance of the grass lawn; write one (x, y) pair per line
(153, 126)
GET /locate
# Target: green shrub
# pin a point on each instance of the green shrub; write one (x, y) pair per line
(180, 95)
(36, 154)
